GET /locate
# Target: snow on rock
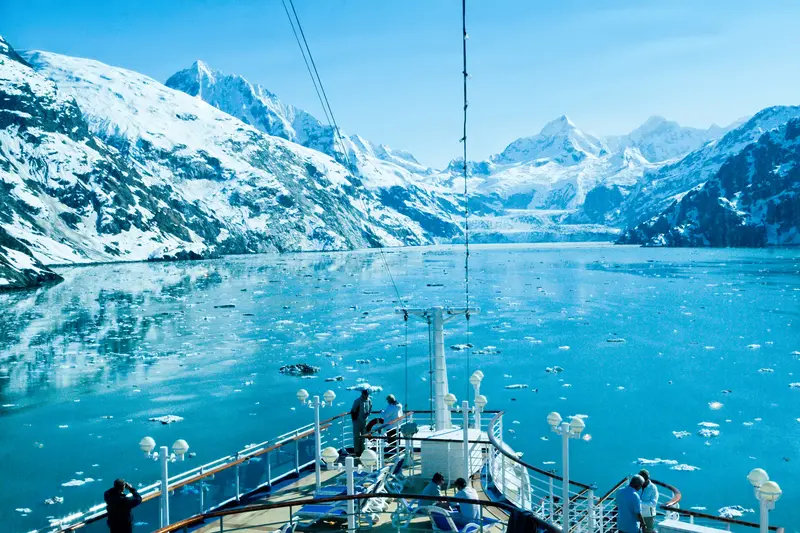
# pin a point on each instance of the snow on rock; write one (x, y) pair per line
(741, 191)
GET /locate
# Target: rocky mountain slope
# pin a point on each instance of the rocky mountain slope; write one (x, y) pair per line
(395, 177)
(752, 200)
(101, 164)
(658, 188)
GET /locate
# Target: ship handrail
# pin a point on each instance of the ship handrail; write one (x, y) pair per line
(153, 490)
(711, 517)
(618, 486)
(671, 504)
(499, 446)
(199, 519)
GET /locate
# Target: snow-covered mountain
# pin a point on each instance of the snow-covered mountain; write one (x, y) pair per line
(99, 163)
(560, 141)
(659, 139)
(660, 187)
(394, 176)
(752, 200)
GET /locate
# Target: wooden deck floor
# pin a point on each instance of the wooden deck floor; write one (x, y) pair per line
(303, 488)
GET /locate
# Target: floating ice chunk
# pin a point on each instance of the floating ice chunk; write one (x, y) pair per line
(766, 370)
(554, 369)
(733, 511)
(460, 347)
(708, 433)
(566, 385)
(615, 339)
(754, 346)
(684, 468)
(366, 386)
(698, 508)
(517, 386)
(656, 461)
(708, 425)
(63, 426)
(715, 406)
(587, 437)
(708, 347)
(681, 434)
(620, 388)
(794, 385)
(77, 482)
(166, 419)
(565, 348)
(487, 350)
(747, 424)
(23, 510)
(548, 462)
(9, 405)
(796, 352)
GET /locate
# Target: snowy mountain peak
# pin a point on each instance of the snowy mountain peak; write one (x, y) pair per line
(559, 141)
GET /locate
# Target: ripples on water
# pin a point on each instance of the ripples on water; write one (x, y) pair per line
(85, 364)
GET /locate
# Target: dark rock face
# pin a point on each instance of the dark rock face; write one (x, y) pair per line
(18, 269)
(753, 200)
(601, 201)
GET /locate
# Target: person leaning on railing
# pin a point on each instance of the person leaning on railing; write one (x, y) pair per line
(359, 414)
(391, 415)
(629, 506)
(649, 502)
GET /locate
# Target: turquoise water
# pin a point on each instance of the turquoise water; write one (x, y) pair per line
(135, 341)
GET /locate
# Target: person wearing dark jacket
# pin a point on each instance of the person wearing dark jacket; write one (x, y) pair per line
(119, 505)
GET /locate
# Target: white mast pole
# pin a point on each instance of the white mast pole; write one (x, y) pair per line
(440, 386)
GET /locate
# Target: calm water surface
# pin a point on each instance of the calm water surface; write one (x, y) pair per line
(84, 364)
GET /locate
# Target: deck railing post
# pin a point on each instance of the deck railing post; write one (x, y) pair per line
(238, 491)
(602, 519)
(221, 528)
(164, 458)
(317, 445)
(465, 423)
(590, 495)
(552, 500)
(502, 458)
(349, 464)
(269, 470)
(202, 492)
(296, 453)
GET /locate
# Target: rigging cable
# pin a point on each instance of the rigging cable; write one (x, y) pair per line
(466, 189)
(337, 136)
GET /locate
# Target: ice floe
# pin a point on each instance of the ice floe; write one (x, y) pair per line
(656, 461)
(684, 468)
(715, 406)
(733, 511)
(77, 482)
(681, 434)
(766, 370)
(554, 369)
(517, 386)
(565, 348)
(754, 346)
(166, 419)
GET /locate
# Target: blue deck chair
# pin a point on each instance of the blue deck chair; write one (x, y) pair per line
(310, 514)
(442, 520)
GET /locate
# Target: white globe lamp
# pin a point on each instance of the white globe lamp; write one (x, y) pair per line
(369, 459)
(449, 399)
(302, 395)
(575, 427)
(180, 447)
(147, 445)
(480, 401)
(770, 492)
(757, 477)
(330, 455)
(329, 396)
(554, 419)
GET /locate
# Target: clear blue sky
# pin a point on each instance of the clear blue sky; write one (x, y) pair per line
(392, 67)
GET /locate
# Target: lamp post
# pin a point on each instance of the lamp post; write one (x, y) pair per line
(179, 449)
(328, 398)
(567, 430)
(767, 493)
(475, 380)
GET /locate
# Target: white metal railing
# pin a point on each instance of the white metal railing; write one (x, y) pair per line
(281, 458)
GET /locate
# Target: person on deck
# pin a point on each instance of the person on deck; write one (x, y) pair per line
(467, 512)
(629, 506)
(649, 502)
(391, 415)
(434, 488)
(359, 413)
(119, 505)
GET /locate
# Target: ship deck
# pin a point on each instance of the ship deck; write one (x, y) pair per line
(304, 488)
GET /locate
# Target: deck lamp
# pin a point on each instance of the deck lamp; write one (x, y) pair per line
(480, 401)
(567, 430)
(767, 493)
(329, 396)
(369, 459)
(449, 400)
(180, 447)
(576, 427)
(302, 395)
(330, 455)
(757, 477)
(147, 445)
(475, 379)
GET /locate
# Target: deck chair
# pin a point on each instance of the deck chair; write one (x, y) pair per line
(406, 511)
(442, 520)
(310, 514)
